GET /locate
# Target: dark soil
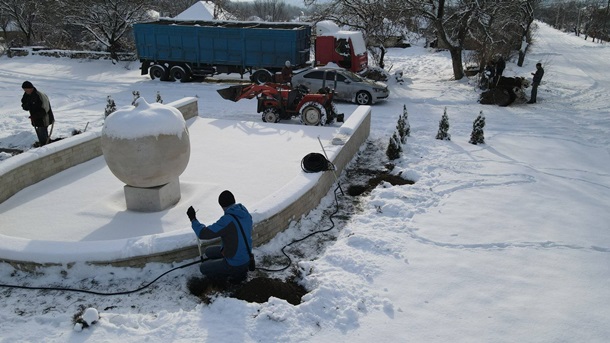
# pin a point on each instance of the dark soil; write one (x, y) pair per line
(11, 151)
(360, 178)
(376, 177)
(257, 290)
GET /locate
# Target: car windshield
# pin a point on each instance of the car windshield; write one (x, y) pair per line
(352, 76)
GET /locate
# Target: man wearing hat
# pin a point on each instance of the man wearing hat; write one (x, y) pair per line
(287, 73)
(41, 115)
(229, 260)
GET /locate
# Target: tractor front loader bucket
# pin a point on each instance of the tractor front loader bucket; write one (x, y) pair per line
(233, 93)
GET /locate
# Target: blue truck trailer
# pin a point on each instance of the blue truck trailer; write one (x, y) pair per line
(177, 50)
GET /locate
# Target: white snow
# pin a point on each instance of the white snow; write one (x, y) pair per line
(143, 120)
(90, 316)
(201, 10)
(501, 242)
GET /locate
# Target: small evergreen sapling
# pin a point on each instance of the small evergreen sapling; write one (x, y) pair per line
(443, 128)
(477, 136)
(394, 149)
(403, 127)
(405, 119)
(110, 106)
(136, 96)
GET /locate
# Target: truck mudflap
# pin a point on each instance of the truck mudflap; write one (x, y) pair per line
(233, 93)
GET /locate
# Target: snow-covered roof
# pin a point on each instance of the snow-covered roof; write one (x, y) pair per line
(202, 10)
(199, 11)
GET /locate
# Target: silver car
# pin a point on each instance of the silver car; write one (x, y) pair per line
(349, 86)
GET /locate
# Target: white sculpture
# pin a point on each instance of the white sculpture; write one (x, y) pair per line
(146, 146)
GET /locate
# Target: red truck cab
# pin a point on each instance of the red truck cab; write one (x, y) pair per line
(344, 48)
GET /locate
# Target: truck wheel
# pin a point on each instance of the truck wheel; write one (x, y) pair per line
(179, 74)
(158, 72)
(313, 114)
(364, 98)
(271, 115)
(261, 76)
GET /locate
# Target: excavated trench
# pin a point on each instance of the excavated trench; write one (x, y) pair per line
(361, 181)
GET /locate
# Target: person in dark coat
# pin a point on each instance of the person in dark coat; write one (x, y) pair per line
(41, 114)
(489, 74)
(500, 66)
(229, 260)
(535, 82)
(287, 73)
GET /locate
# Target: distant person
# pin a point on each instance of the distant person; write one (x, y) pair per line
(41, 115)
(229, 260)
(489, 73)
(536, 82)
(287, 73)
(500, 66)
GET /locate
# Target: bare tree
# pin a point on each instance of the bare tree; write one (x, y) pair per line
(171, 8)
(450, 24)
(588, 17)
(526, 12)
(107, 21)
(27, 15)
(5, 20)
(271, 10)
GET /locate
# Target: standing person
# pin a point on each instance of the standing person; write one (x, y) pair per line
(489, 73)
(41, 115)
(535, 82)
(500, 66)
(229, 260)
(287, 73)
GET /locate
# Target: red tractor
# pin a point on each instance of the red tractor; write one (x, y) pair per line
(279, 102)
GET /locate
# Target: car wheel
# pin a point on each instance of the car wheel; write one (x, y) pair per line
(313, 114)
(271, 115)
(364, 98)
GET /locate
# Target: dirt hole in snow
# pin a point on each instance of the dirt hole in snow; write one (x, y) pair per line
(375, 178)
(256, 290)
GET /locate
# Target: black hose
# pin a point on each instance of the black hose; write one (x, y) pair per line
(100, 293)
(315, 162)
(309, 235)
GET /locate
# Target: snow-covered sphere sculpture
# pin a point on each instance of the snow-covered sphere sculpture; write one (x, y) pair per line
(147, 145)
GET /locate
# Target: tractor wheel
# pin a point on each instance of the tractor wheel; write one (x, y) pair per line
(178, 73)
(364, 98)
(158, 72)
(313, 114)
(261, 76)
(271, 115)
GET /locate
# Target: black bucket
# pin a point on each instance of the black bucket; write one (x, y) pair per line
(231, 93)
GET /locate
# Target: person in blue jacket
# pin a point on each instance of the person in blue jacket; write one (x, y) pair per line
(229, 260)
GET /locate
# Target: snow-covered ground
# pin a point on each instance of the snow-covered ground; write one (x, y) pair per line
(502, 242)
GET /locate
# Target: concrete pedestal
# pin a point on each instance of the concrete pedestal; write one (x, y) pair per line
(152, 199)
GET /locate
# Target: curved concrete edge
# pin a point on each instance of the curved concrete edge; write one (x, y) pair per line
(34, 165)
(302, 195)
